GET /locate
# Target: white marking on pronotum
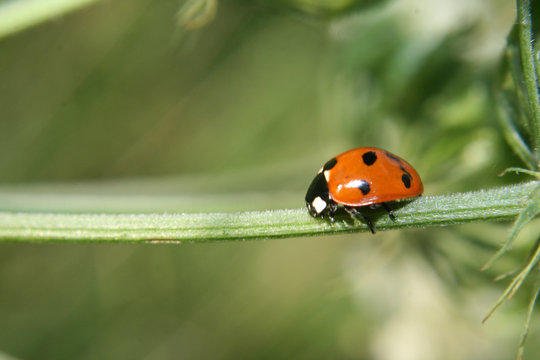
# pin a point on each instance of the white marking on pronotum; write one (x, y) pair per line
(319, 204)
(327, 175)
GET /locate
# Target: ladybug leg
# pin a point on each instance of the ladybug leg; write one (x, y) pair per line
(355, 212)
(332, 208)
(389, 210)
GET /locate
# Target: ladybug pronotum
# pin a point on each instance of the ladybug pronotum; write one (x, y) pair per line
(362, 177)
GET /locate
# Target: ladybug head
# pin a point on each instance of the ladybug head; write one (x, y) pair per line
(317, 196)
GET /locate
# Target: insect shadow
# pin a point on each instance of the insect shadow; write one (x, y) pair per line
(368, 214)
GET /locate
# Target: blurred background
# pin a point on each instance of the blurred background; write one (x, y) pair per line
(144, 106)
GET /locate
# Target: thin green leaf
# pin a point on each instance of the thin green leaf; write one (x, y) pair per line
(513, 62)
(508, 116)
(526, 40)
(537, 59)
(517, 170)
(530, 310)
(530, 212)
(22, 14)
(516, 282)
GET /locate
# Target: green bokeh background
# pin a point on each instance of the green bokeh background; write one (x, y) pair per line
(118, 101)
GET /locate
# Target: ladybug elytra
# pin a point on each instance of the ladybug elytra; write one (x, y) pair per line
(362, 177)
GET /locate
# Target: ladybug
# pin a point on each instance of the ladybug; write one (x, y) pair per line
(362, 177)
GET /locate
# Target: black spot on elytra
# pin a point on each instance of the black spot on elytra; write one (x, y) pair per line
(406, 178)
(404, 170)
(369, 158)
(395, 158)
(330, 164)
(364, 187)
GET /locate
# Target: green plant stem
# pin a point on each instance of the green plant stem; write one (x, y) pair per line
(526, 40)
(495, 204)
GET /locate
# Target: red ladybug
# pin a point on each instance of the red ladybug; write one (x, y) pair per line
(365, 176)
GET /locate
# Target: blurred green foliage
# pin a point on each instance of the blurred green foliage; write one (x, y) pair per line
(254, 102)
